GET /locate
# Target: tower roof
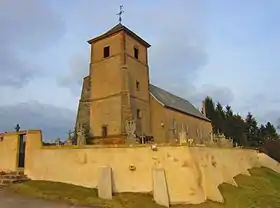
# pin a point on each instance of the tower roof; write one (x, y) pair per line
(119, 27)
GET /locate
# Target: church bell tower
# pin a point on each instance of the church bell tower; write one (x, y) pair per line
(119, 84)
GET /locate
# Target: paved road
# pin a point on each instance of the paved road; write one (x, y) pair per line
(10, 200)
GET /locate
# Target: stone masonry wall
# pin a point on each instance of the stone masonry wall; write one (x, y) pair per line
(83, 115)
(193, 174)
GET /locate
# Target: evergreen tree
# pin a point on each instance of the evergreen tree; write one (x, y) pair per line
(220, 118)
(210, 112)
(233, 126)
(75, 136)
(270, 131)
(238, 130)
(229, 122)
(252, 131)
(262, 132)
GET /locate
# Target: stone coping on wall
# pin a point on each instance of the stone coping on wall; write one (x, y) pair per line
(39, 132)
(108, 146)
(126, 146)
(21, 132)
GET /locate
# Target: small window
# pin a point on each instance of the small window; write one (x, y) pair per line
(137, 85)
(139, 116)
(104, 131)
(106, 51)
(136, 52)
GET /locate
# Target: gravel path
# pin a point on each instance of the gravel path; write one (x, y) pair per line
(11, 200)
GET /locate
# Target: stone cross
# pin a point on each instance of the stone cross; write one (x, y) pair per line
(17, 128)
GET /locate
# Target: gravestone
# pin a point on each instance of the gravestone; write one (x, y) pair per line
(68, 142)
(160, 191)
(190, 142)
(105, 183)
(57, 142)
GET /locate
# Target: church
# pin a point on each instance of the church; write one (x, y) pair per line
(118, 90)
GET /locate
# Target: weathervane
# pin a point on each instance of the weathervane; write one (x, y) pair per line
(120, 13)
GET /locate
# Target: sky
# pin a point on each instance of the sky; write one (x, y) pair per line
(228, 50)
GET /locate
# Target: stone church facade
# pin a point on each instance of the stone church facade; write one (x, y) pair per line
(118, 90)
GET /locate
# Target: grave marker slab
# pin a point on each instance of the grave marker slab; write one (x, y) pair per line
(161, 195)
(105, 183)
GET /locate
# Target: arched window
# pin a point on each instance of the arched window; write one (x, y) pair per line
(174, 126)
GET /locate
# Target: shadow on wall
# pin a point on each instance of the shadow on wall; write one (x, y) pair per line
(272, 149)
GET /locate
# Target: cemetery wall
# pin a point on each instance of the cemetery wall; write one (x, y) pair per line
(192, 174)
(8, 152)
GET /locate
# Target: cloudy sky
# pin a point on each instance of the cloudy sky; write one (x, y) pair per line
(225, 49)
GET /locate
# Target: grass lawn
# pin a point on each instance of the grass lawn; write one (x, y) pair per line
(261, 190)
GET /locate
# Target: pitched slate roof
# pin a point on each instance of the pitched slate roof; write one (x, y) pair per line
(119, 27)
(174, 102)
